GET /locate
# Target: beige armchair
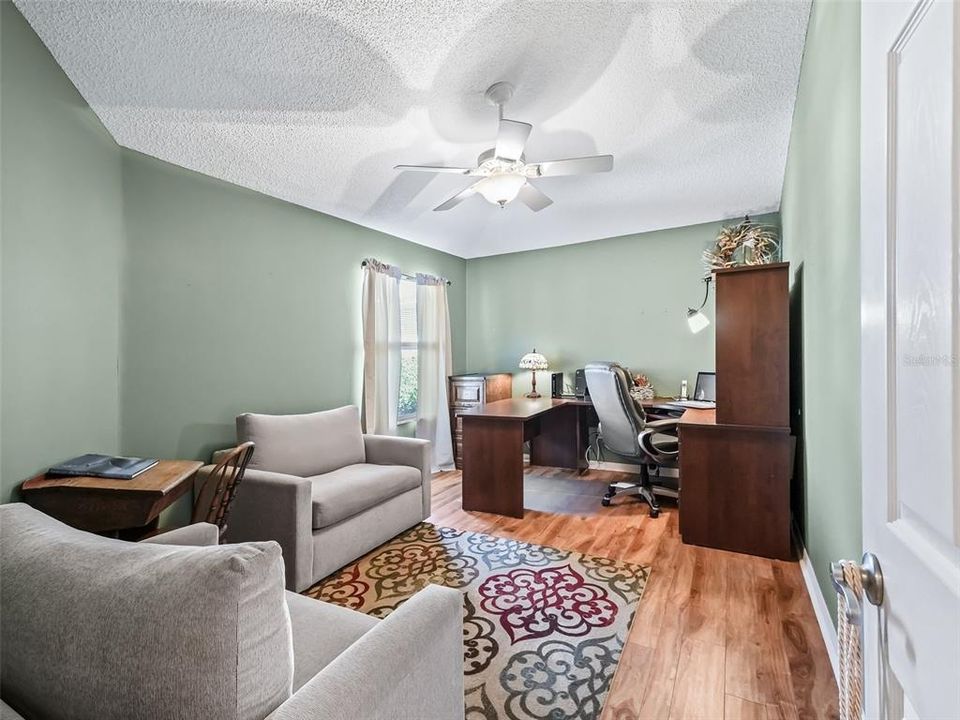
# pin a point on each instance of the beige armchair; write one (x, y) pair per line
(324, 491)
(180, 627)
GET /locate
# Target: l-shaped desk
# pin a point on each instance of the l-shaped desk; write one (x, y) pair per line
(735, 479)
(493, 438)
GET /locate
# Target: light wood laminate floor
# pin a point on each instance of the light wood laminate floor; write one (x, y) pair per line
(718, 635)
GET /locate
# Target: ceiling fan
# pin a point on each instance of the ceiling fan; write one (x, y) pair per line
(503, 172)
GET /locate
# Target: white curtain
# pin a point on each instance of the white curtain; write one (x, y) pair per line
(381, 347)
(434, 366)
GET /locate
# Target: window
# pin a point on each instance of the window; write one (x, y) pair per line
(407, 405)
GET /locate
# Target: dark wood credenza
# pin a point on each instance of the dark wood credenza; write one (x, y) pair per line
(471, 391)
(736, 461)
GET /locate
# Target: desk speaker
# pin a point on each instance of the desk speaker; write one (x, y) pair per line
(581, 390)
(556, 385)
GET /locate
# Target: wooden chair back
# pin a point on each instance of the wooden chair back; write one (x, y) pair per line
(216, 496)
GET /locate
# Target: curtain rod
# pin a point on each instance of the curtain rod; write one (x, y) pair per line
(408, 276)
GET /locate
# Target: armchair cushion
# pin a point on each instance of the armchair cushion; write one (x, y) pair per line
(343, 493)
(321, 631)
(303, 445)
(99, 628)
(390, 450)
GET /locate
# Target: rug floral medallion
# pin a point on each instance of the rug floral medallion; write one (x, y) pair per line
(543, 628)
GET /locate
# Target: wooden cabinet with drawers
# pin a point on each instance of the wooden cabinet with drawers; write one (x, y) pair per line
(468, 391)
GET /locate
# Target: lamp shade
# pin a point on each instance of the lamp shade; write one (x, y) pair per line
(501, 188)
(697, 320)
(533, 361)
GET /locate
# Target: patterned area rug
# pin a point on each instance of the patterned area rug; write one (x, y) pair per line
(543, 628)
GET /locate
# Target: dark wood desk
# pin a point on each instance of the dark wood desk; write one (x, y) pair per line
(735, 485)
(736, 478)
(104, 506)
(493, 438)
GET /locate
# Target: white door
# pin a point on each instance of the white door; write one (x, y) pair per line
(910, 279)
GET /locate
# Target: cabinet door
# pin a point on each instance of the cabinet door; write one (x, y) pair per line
(753, 344)
(735, 489)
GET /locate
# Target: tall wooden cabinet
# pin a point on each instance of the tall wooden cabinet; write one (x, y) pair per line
(753, 345)
(468, 391)
(736, 462)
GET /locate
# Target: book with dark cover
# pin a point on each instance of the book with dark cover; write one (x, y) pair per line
(105, 466)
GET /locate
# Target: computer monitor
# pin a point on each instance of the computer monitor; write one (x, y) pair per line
(706, 388)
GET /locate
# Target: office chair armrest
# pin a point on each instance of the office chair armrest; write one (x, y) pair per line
(664, 427)
(660, 452)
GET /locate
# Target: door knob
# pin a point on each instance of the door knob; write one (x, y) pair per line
(871, 582)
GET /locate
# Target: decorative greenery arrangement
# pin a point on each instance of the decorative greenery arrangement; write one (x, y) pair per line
(747, 243)
(642, 387)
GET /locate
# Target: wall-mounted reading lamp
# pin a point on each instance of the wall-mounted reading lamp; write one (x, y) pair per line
(695, 318)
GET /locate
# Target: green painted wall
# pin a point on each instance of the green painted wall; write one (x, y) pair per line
(62, 242)
(182, 299)
(622, 299)
(820, 212)
(235, 301)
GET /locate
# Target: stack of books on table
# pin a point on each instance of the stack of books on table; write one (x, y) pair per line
(103, 466)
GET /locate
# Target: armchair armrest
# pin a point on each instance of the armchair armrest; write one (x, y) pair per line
(408, 667)
(276, 506)
(414, 452)
(200, 479)
(8, 713)
(198, 534)
(219, 455)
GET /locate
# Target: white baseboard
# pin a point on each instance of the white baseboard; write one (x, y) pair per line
(615, 467)
(827, 629)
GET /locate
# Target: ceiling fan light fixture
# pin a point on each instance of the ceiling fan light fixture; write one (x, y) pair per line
(503, 169)
(501, 188)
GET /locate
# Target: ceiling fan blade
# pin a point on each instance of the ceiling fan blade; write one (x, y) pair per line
(511, 138)
(433, 169)
(457, 199)
(576, 166)
(533, 198)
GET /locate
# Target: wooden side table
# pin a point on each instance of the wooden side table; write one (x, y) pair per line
(127, 507)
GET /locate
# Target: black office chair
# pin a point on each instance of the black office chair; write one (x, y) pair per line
(625, 430)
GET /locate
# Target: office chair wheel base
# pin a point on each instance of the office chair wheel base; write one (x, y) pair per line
(646, 494)
(609, 495)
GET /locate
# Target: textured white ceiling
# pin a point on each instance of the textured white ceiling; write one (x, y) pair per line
(315, 102)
